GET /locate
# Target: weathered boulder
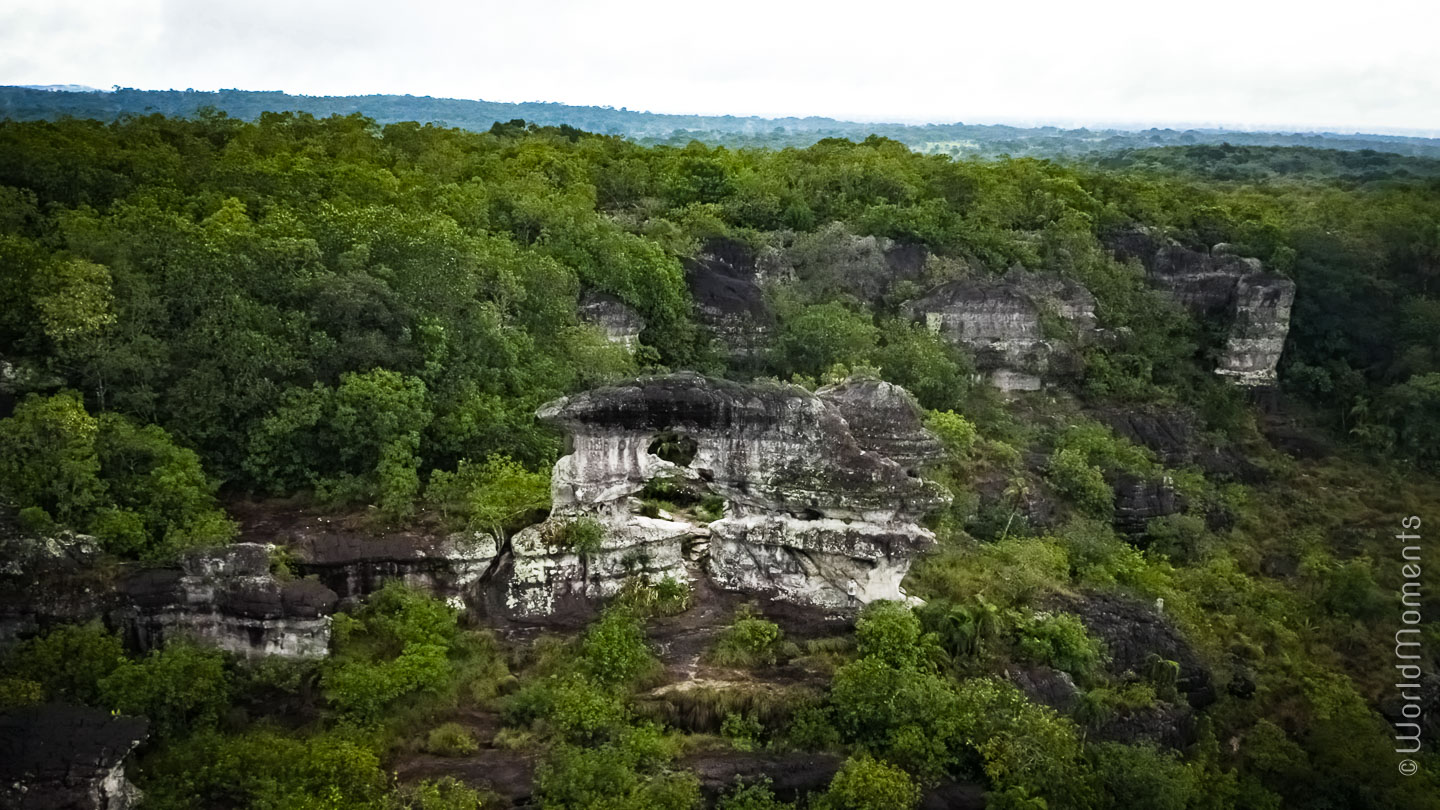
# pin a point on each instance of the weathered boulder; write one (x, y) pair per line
(58, 757)
(1134, 631)
(809, 515)
(1047, 686)
(1019, 326)
(49, 580)
(831, 259)
(354, 565)
(226, 597)
(1219, 284)
(884, 419)
(728, 300)
(1138, 500)
(620, 323)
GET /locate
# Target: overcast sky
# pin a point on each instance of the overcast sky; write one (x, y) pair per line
(1311, 64)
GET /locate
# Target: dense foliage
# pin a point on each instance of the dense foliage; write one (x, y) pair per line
(363, 315)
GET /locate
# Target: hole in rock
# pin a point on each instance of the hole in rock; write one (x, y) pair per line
(674, 448)
(809, 514)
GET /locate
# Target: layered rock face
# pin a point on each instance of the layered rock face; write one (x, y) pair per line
(812, 513)
(353, 565)
(1003, 321)
(47, 581)
(832, 259)
(1220, 284)
(614, 317)
(58, 757)
(226, 597)
(723, 282)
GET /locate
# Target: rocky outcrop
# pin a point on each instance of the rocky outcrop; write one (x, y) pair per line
(1219, 284)
(1133, 632)
(620, 323)
(1138, 500)
(49, 580)
(884, 419)
(833, 260)
(1020, 326)
(353, 565)
(227, 597)
(728, 302)
(809, 514)
(58, 757)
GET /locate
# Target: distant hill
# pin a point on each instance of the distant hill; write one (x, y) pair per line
(56, 101)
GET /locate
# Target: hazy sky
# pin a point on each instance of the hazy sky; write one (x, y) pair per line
(1371, 66)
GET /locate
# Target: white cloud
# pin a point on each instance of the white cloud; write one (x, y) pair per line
(1228, 62)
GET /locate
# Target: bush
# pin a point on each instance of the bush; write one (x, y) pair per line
(68, 663)
(1059, 640)
(181, 688)
(398, 644)
(750, 641)
(451, 740)
(614, 651)
(1141, 776)
(753, 796)
(1016, 743)
(1081, 482)
(498, 496)
(447, 793)
(582, 536)
(890, 632)
(864, 783)
(627, 773)
(133, 487)
(956, 433)
(742, 730)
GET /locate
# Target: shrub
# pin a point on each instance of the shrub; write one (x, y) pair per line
(754, 796)
(890, 631)
(956, 432)
(750, 641)
(68, 663)
(626, 773)
(742, 730)
(1058, 640)
(446, 793)
(451, 740)
(582, 536)
(614, 651)
(1141, 776)
(180, 688)
(864, 783)
(498, 496)
(1016, 743)
(1082, 483)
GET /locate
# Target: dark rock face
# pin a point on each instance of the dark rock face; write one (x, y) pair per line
(1132, 631)
(226, 597)
(1003, 321)
(1139, 500)
(614, 317)
(1170, 435)
(1169, 725)
(723, 282)
(884, 419)
(353, 565)
(47, 581)
(1219, 284)
(58, 757)
(1049, 687)
(809, 515)
(832, 259)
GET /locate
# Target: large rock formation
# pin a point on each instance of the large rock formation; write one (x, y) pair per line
(1019, 325)
(58, 757)
(49, 580)
(614, 317)
(728, 301)
(831, 259)
(227, 597)
(812, 513)
(1219, 284)
(354, 565)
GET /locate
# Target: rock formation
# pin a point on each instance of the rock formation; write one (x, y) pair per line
(58, 757)
(1220, 284)
(812, 513)
(833, 260)
(728, 301)
(1139, 500)
(614, 317)
(47, 581)
(354, 565)
(1017, 325)
(227, 597)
